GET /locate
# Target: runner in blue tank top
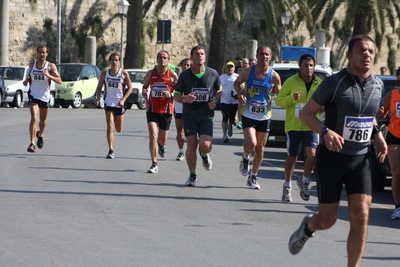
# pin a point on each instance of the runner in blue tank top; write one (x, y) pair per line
(261, 83)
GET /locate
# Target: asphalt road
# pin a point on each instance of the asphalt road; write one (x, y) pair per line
(67, 205)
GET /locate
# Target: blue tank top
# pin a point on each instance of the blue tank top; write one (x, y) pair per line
(258, 94)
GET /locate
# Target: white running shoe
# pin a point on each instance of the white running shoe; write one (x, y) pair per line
(252, 181)
(181, 156)
(191, 181)
(153, 169)
(244, 166)
(304, 190)
(286, 194)
(396, 214)
(207, 162)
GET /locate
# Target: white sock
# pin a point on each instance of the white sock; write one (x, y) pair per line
(287, 184)
(181, 151)
(305, 180)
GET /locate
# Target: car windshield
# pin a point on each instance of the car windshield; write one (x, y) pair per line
(69, 72)
(11, 73)
(137, 77)
(284, 74)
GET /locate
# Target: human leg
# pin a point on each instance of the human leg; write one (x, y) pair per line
(191, 156)
(119, 122)
(34, 111)
(179, 137)
(394, 161)
(153, 136)
(110, 129)
(358, 215)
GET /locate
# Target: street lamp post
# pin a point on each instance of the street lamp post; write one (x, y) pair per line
(123, 6)
(285, 19)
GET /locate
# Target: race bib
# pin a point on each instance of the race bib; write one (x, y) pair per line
(258, 107)
(358, 129)
(202, 94)
(298, 109)
(398, 109)
(38, 75)
(157, 90)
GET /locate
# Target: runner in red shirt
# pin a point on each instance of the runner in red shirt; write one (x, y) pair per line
(160, 107)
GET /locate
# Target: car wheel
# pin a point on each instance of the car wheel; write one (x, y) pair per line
(378, 178)
(142, 104)
(65, 105)
(77, 102)
(51, 102)
(17, 100)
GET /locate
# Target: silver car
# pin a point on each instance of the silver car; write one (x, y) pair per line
(16, 92)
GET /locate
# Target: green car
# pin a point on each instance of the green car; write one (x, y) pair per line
(79, 83)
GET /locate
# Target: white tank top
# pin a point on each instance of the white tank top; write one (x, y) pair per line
(40, 84)
(114, 88)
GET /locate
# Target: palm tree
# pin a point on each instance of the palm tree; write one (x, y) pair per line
(225, 13)
(133, 51)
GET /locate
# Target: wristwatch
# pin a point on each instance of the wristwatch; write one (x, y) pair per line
(324, 130)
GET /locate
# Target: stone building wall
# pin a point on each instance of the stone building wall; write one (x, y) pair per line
(27, 31)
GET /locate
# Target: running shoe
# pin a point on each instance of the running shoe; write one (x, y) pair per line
(239, 125)
(299, 238)
(287, 194)
(244, 166)
(226, 139)
(153, 169)
(207, 162)
(230, 130)
(110, 154)
(304, 190)
(180, 156)
(396, 214)
(40, 141)
(252, 181)
(161, 151)
(31, 148)
(191, 181)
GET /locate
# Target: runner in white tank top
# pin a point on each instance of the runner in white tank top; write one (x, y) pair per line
(41, 74)
(114, 81)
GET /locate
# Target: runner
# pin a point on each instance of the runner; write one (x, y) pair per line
(114, 81)
(180, 135)
(261, 82)
(295, 92)
(351, 99)
(160, 107)
(41, 74)
(196, 89)
(229, 100)
(391, 104)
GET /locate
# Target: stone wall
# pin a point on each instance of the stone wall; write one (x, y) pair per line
(27, 31)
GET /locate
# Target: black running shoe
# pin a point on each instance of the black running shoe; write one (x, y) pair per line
(40, 141)
(31, 148)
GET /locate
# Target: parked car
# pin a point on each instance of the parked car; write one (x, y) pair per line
(79, 84)
(14, 77)
(381, 171)
(2, 89)
(137, 78)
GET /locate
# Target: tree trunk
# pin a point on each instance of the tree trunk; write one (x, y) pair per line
(218, 38)
(133, 53)
(362, 16)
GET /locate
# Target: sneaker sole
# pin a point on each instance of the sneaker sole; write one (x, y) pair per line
(39, 145)
(31, 150)
(253, 186)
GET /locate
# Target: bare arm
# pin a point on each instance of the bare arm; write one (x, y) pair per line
(53, 73)
(333, 141)
(276, 81)
(146, 83)
(127, 93)
(244, 74)
(25, 82)
(384, 109)
(100, 88)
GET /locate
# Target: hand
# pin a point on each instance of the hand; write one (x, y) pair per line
(381, 112)
(166, 94)
(296, 95)
(242, 100)
(190, 98)
(121, 103)
(97, 103)
(25, 83)
(333, 141)
(144, 92)
(212, 104)
(381, 147)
